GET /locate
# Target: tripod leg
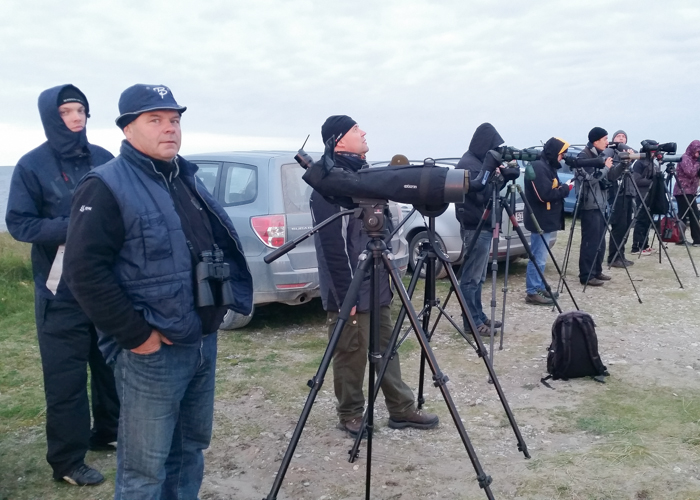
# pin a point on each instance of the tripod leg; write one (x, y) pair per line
(539, 231)
(567, 250)
(317, 381)
(695, 219)
(521, 235)
(509, 236)
(439, 378)
(656, 231)
(481, 351)
(601, 244)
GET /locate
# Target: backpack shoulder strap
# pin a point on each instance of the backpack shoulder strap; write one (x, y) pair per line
(587, 326)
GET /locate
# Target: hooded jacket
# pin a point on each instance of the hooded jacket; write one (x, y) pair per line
(42, 186)
(545, 194)
(338, 246)
(469, 213)
(643, 173)
(687, 171)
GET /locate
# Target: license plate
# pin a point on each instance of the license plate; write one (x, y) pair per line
(520, 217)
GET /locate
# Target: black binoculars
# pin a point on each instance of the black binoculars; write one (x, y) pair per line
(213, 280)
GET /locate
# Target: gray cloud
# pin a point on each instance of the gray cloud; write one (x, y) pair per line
(419, 76)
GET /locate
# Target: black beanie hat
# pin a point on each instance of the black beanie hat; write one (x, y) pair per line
(597, 133)
(71, 94)
(336, 125)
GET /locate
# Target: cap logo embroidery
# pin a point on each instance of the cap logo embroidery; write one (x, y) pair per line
(162, 91)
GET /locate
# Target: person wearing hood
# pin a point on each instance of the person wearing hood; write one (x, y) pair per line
(469, 214)
(593, 202)
(38, 211)
(545, 195)
(643, 172)
(338, 248)
(139, 229)
(686, 188)
(622, 204)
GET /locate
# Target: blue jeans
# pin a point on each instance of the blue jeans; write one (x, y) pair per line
(474, 274)
(167, 408)
(533, 282)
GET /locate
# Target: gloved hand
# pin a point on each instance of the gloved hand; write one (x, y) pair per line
(327, 161)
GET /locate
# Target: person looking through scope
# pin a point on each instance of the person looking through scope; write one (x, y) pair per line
(643, 172)
(468, 213)
(621, 205)
(545, 194)
(685, 190)
(338, 247)
(592, 183)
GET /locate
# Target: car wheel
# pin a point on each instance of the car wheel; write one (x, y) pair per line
(234, 320)
(414, 253)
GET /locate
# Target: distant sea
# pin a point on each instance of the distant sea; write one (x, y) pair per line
(5, 176)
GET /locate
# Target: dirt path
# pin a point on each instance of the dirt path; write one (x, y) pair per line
(636, 437)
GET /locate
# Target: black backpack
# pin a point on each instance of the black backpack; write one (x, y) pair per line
(574, 349)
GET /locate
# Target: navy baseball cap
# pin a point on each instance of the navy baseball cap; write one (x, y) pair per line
(140, 98)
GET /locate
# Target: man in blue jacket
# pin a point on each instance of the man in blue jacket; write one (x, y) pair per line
(545, 195)
(140, 227)
(38, 211)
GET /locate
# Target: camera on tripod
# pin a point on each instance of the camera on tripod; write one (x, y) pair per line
(213, 277)
(509, 153)
(650, 149)
(597, 163)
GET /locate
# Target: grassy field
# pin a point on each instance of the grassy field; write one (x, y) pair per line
(636, 437)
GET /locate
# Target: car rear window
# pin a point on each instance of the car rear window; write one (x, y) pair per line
(295, 191)
(240, 184)
(207, 173)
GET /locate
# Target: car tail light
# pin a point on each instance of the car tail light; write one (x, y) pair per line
(271, 229)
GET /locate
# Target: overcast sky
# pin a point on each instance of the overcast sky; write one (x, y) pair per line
(418, 76)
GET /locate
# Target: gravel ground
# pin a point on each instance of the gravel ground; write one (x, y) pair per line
(634, 437)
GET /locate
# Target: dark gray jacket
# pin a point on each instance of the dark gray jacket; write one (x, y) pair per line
(338, 246)
(594, 192)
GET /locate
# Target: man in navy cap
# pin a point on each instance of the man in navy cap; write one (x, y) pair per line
(139, 227)
(338, 247)
(37, 212)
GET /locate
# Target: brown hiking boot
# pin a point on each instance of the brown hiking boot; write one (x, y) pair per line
(594, 282)
(496, 323)
(538, 299)
(603, 277)
(352, 427)
(417, 419)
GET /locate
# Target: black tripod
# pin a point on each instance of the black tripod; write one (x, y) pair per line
(429, 255)
(670, 179)
(499, 203)
(643, 206)
(584, 179)
(371, 260)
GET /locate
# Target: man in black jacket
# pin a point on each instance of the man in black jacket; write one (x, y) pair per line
(38, 211)
(593, 202)
(545, 194)
(140, 226)
(338, 247)
(621, 209)
(469, 214)
(643, 172)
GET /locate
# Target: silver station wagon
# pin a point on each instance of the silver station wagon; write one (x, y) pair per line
(268, 202)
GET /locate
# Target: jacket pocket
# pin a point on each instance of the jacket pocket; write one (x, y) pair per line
(156, 240)
(161, 304)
